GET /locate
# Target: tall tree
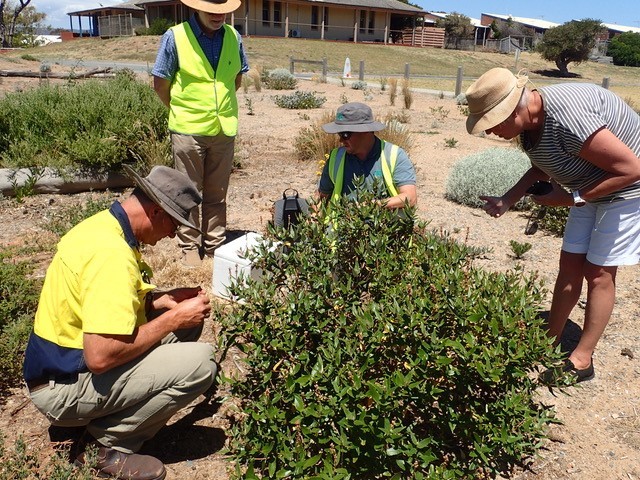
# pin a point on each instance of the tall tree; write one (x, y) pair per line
(570, 42)
(456, 27)
(9, 15)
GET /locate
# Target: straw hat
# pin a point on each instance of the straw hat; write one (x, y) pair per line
(213, 6)
(353, 117)
(171, 190)
(492, 98)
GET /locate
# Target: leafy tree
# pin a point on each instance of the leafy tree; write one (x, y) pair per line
(625, 49)
(456, 27)
(10, 20)
(570, 42)
(26, 27)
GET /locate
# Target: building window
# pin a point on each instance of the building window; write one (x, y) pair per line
(363, 21)
(314, 18)
(277, 13)
(372, 21)
(266, 12)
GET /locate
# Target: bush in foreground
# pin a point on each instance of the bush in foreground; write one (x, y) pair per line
(380, 351)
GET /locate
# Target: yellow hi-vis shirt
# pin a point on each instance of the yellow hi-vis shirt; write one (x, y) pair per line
(203, 101)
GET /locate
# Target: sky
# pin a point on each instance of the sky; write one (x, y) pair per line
(622, 12)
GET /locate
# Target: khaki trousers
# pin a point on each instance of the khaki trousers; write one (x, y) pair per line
(207, 161)
(127, 405)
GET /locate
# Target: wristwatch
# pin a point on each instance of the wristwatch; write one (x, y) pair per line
(578, 201)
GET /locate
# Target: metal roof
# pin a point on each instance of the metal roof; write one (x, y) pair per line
(116, 6)
(621, 28)
(529, 22)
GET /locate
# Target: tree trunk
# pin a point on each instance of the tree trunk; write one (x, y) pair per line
(3, 28)
(7, 36)
(562, 66)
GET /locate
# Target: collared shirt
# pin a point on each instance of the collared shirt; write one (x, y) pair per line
(166, 64)
(96, 283)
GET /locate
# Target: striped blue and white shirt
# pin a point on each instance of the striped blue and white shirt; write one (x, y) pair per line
(574, 112)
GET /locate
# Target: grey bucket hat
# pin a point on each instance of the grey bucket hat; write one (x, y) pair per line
(353, 117)
(169, 189)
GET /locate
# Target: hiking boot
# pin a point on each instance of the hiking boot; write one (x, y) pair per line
(111, 463)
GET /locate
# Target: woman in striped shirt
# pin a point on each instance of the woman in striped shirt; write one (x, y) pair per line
(586, 140)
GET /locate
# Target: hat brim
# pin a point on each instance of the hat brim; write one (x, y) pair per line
(149, 191)
(482, 122)
(211, 7)
(334, 127)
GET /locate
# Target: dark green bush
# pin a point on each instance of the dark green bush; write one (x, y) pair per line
(553, 219)
(625, 49)
(95, 125)
(380, 351)
(157, 27)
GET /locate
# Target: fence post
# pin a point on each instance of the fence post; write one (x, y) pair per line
(291, 62)
(459, 81)
(605, 83)
(361, 72)
(324, 69)
(406, 71)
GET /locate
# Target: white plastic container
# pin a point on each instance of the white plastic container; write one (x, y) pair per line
(229, 262)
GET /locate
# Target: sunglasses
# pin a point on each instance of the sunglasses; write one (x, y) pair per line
(345, 135)
(532, 222)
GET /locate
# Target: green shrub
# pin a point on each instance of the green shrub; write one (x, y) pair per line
(280, 79)
(300, 100)
(359, 85)
(158, 27)
(553, 219)
(380, 351)
(95, 125)
(489, 172)
(19, 294)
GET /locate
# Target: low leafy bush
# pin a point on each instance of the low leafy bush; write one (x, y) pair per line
(359, 85)
(19, 294)
(95, 125)
(378, 351)
(300, 100)
(489, 172)
(553, 220)
(280, 79)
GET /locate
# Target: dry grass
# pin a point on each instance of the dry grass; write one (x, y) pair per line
(428, 66)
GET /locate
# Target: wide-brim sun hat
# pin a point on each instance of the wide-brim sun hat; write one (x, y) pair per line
(213, 6)
(353, 117)
(492, 98)
(171, 190)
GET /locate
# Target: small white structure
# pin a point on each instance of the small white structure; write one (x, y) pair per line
(42, 40)
(230, 263)
(346, 73)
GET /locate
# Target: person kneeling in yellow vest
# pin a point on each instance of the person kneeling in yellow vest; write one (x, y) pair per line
(381, 164)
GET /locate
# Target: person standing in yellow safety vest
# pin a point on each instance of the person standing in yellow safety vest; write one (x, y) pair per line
(198, 69)
(363, 154)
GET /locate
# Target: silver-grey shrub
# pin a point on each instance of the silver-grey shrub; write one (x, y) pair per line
(281, 79)
(489, 172)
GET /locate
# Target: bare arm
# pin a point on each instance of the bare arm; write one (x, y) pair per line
(496, 206)
(606, 151)
(162, 86)
(104, 352)
(406, 194)
(238, 81)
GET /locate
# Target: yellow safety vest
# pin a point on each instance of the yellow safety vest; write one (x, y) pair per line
(388, 158)
(203, 101)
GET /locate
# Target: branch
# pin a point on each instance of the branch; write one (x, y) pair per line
(95, 71)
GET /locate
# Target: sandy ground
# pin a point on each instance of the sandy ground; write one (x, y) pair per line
(600, 434)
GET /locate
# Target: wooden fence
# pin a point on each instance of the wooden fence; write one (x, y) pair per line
(423, 37)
